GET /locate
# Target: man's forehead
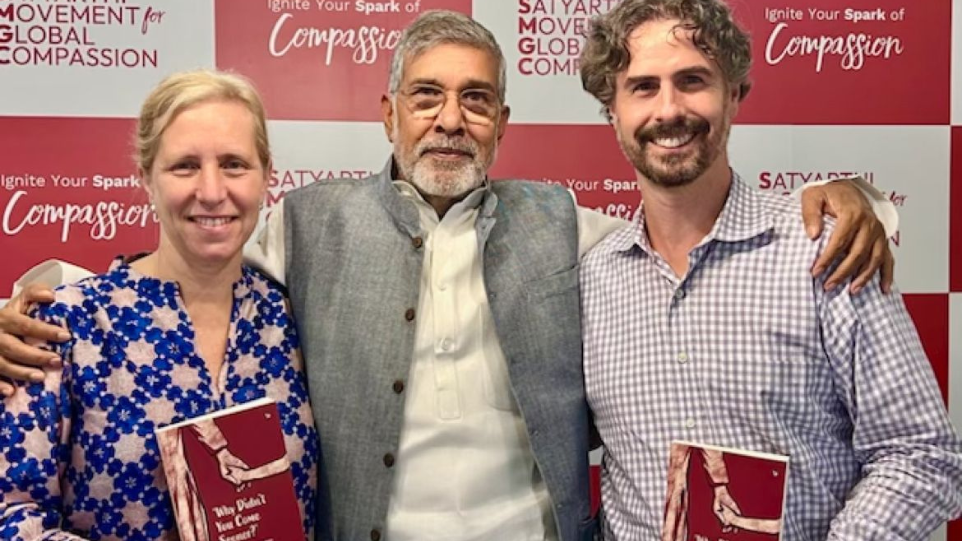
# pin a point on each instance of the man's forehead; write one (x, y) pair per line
(660, 32)
(451, 62)
(666, 43)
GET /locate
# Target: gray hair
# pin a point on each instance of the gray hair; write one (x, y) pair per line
(438, 27)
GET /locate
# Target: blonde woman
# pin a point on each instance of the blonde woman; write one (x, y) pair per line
(180, 332)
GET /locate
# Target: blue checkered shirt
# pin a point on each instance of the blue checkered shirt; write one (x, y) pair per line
(747, 350)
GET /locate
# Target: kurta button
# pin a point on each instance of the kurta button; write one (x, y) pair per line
(417, 242)
(398, 386)
(409, 314)
(375, 535)
(389, 460)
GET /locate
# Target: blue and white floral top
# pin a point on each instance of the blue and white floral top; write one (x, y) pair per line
(78, 457)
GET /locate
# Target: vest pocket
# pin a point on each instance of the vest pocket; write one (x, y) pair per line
(553, 284)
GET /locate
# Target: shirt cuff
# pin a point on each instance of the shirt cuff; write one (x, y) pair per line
(51, 272)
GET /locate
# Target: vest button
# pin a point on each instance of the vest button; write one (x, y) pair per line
(375, 535)
(417, 242)
(389, 460)
(398, 386)
(409, 314)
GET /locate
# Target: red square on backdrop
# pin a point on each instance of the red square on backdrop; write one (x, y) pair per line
(68, 191)
(930, 312)
(858, 62)
(316, 63)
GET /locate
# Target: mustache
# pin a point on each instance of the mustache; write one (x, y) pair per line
(678, 128)
(456, 144)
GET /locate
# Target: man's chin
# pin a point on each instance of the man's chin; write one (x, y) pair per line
(672, 181)
(442, 184)
(676, 176)
(676, 170)
(449, 168)
(670, 176)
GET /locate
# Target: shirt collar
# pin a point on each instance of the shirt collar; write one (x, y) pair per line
(743, 217)
(471, 201)
(149, 285)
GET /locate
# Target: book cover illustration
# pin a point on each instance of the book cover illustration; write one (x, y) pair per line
(724, 494)
(229, 476)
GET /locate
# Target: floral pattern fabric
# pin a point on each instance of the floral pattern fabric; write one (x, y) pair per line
(78, 456)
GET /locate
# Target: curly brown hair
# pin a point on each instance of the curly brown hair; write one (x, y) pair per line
(714, 32)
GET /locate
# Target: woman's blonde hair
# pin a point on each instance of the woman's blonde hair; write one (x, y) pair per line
(185, 89)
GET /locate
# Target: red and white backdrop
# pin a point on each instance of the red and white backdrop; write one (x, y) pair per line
(872, 87)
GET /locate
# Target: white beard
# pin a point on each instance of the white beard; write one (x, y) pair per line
(452, 181)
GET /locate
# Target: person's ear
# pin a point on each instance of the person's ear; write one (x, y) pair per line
(387, 112)
(503, 121)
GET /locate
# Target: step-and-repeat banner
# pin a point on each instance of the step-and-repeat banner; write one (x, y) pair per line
(870, 87)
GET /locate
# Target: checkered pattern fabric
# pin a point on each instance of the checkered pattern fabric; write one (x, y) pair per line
(746, 350)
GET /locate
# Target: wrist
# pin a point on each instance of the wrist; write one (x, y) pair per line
(719, 485)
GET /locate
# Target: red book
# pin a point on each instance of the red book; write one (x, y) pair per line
(229, 476)
(724, 494)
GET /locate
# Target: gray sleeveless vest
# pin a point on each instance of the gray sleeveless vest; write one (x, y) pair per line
(353, 271)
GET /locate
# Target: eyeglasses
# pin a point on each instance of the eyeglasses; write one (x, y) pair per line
(479, 105)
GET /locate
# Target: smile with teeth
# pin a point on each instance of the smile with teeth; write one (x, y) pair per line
(207, 221)
(673, 142)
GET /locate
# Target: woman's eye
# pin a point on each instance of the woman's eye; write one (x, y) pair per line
(183, 167)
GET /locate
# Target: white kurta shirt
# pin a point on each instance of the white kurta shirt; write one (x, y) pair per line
(464, 466)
